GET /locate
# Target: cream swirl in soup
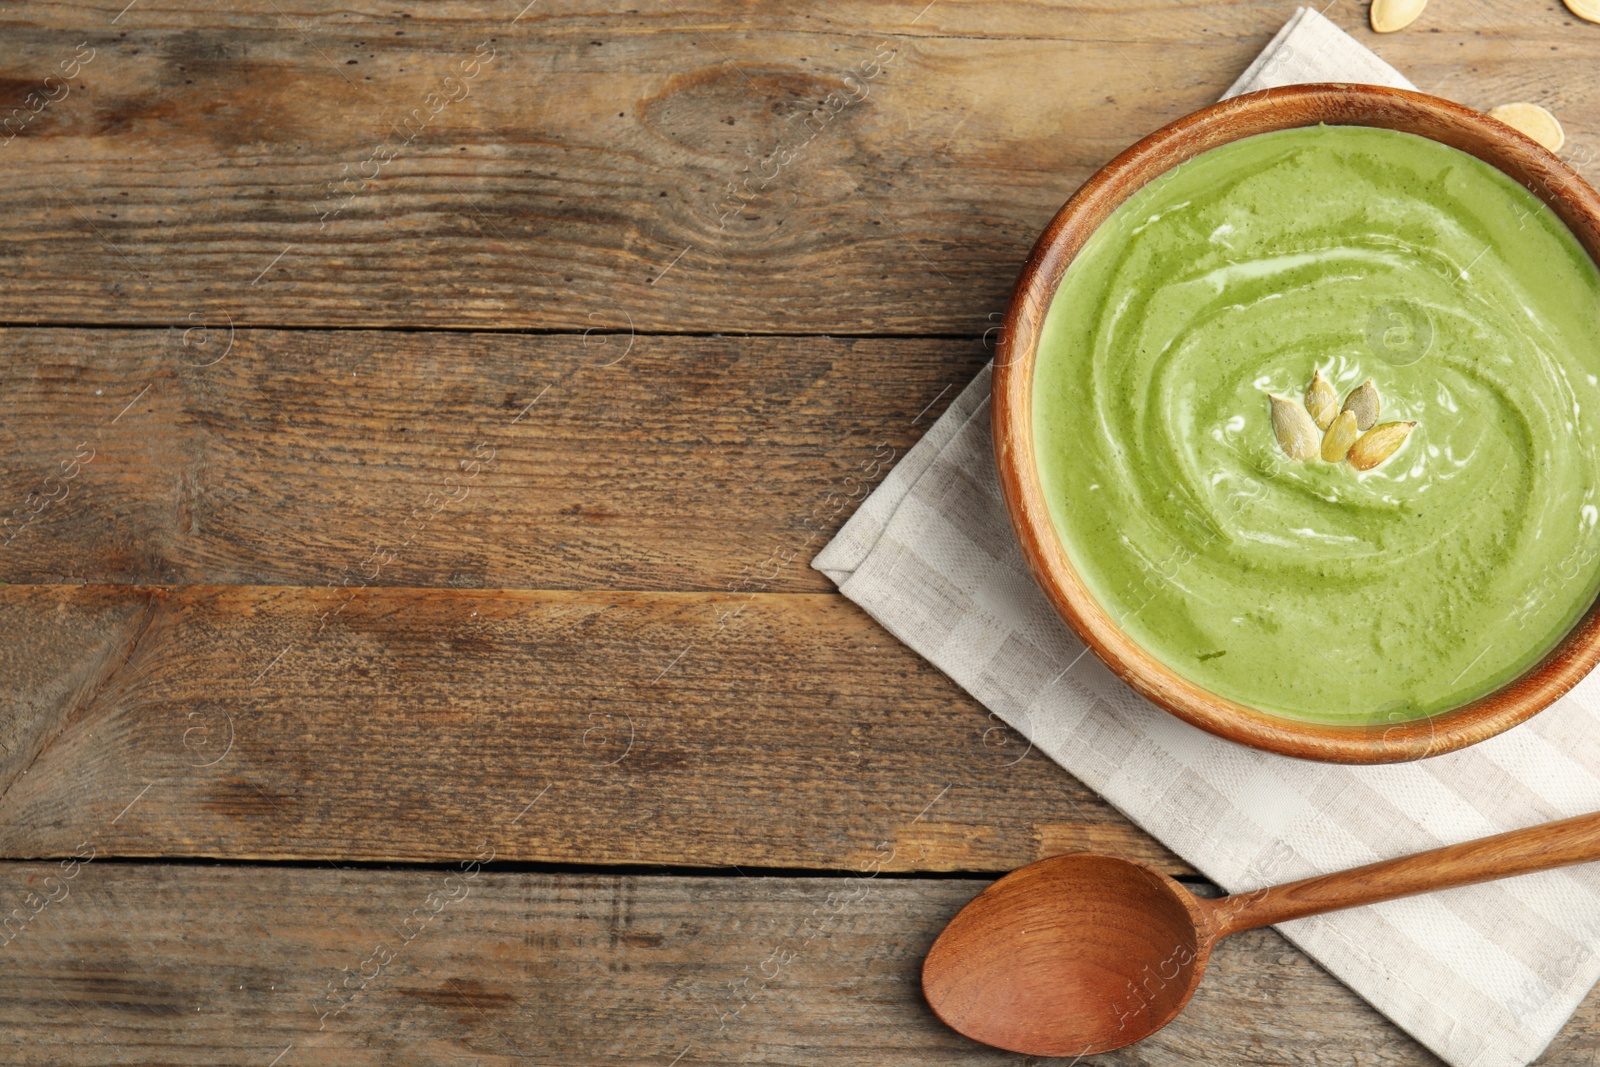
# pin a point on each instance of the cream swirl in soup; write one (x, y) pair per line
(1302, 586)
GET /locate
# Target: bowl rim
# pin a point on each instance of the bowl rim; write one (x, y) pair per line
(1288, 107)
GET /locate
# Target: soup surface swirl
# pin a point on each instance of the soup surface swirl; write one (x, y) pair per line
(1301, 587)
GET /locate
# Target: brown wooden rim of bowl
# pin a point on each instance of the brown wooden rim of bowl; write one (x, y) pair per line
(1497, 144)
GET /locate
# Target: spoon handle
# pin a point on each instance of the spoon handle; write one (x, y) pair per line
(1536, 848)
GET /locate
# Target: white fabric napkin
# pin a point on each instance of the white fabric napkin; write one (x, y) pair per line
(1484, 976)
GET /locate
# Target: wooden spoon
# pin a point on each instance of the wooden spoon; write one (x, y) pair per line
(1085, 953)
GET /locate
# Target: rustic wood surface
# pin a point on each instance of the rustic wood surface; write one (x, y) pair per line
(201, 965)
(660, 463)
(255, 164)
(387, 492)
(775, 730)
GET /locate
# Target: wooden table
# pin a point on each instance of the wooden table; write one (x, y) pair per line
(418, 422)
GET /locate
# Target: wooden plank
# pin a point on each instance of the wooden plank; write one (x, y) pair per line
(197, 965)
(450, 460)
(770, 730)
(858, 168)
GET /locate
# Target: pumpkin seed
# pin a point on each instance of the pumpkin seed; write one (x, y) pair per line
(1585, 9)
(1321, 401)
(1390, 15)
(1378, 444)
(1534, 121)
(1342, 433)
(1297, 434)
(1363, 401)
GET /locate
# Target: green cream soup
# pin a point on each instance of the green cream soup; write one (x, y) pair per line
(1304, 587)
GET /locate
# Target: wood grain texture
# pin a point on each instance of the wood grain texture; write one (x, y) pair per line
(859, 168)
(766, 730)
(1048, 960)
(1542, 847)
(199, 965)
(450, 460)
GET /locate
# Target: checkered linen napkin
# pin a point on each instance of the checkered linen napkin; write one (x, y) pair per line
(1484, 976)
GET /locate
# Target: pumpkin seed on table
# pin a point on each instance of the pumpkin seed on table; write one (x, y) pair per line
(1378, 444)
(1342, 433)
(1390, 15)
(1297, 435)
(1363, 403)
(1321, 401)
(1585, 9)
(1533, 121)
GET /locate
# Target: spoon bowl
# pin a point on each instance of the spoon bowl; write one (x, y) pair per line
(1070, 956)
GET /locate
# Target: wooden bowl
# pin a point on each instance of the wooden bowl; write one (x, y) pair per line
(1555, 183)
